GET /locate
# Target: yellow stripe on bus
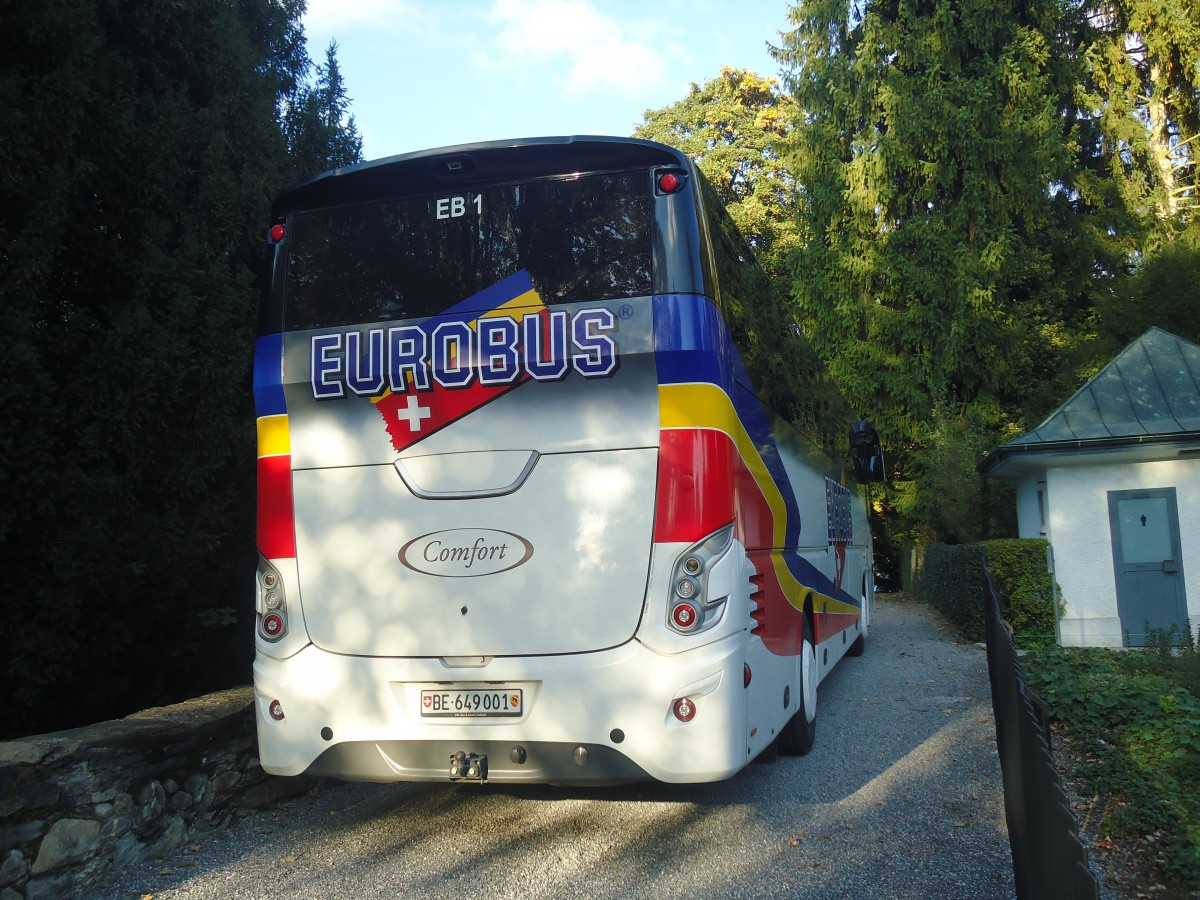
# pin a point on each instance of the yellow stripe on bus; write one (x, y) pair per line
(528, 300)
(274, 436)
(705, 405)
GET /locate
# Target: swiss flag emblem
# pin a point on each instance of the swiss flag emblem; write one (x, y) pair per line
(415, 414)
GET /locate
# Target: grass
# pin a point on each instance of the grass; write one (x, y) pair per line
(1136, 715)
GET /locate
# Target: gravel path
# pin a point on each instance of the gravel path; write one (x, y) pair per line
(902, 797)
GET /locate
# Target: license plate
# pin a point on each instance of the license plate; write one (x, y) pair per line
(473, 702)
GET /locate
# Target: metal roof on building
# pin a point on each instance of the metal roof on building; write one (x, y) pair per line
(1148, 393)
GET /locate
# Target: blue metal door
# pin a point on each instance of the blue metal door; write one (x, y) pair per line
(1146, 560)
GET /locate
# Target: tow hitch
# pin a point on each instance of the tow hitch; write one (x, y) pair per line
(468, 767)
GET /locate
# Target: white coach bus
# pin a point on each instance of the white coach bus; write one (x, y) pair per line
(529, 508)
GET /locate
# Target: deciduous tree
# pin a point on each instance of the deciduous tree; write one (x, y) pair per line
(730, 126)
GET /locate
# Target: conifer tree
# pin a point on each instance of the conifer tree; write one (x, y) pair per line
(321, 132)
(139, 147)
(934, 153)
(933, 146)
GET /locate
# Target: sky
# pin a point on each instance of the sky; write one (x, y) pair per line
(434, 73)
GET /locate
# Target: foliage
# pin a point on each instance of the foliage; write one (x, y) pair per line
(321, 132)
(1142, 90)
(139, 147)
(1136, 714)
(730, 126)
(950, 578)
(941, 497)
(941, 257)
(1163, 290)
(1019, 571)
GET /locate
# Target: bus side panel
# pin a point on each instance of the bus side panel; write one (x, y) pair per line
(775, 476)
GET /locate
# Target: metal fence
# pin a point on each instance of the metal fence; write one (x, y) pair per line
(1048, 859)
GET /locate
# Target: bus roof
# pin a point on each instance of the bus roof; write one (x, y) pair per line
(489, 162)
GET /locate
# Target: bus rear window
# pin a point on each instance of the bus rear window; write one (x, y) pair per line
(581, 239)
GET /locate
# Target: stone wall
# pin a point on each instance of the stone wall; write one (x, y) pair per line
(77, 805)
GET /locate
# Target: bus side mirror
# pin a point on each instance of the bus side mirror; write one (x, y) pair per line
(866, 452)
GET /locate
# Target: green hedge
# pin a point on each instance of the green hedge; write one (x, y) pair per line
(950, 578)
(1018, 568)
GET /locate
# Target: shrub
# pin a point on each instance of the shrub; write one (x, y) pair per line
(1134, 716)
(1019, 571)
(950, 577)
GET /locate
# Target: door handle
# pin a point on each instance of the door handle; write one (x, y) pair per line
(1170, 567)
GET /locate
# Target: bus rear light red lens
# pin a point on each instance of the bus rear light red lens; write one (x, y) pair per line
(277, 232)
(746, 675)
(276, 710)
(684, 709)
(272, 625)
(685, 616)
(669, 183)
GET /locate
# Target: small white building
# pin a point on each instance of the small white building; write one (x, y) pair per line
(1112, 480)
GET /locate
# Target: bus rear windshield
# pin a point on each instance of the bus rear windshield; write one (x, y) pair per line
(581, 239)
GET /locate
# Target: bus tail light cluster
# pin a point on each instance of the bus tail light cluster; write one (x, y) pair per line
(692, 609)
(271, 606)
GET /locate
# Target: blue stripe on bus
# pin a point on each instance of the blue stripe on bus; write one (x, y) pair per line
(268, 376)
(691, 342)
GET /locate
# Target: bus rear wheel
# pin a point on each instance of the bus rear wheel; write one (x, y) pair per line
(800, 732)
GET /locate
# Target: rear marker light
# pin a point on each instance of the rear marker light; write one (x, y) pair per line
(669, 182)
(276, 710)
(746, 675)
(277, 232)
(273, 625)
(684, 709)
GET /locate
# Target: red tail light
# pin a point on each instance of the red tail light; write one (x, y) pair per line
(273, 626)
(695, 484)
(685, 615)
(670, 182)
(684, 709)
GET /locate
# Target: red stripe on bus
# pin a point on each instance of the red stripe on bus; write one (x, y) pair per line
(276, 529)
(695, 484)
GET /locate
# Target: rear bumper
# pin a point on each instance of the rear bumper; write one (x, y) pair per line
(359, 718)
